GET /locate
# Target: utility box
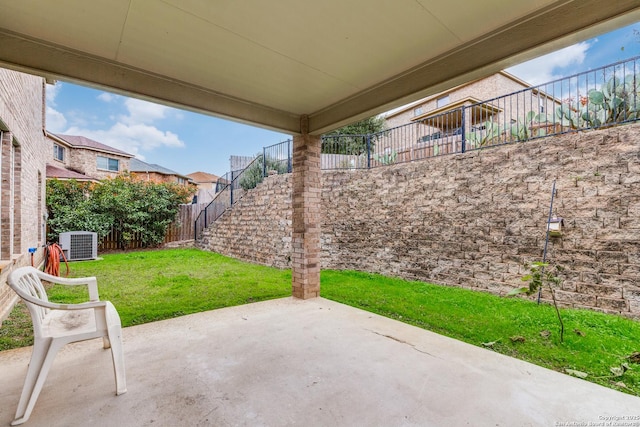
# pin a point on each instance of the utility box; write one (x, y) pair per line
(79, 245)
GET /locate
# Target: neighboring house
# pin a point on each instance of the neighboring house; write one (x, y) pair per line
(439, 119)
(55, 172)
(158, 174)
(23, 157)
(206, 183)
(89, 158)
(204, 180)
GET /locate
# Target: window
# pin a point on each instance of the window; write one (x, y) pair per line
(541, 106)
(417, 111)
(182, 181)
(441, 102)
(109, 164)
(58, 152)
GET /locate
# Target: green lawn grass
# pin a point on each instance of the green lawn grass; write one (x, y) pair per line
(593, 342)
(152, 285)
(146, 286)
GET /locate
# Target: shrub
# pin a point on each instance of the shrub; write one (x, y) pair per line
(122, 204)
(254, 173)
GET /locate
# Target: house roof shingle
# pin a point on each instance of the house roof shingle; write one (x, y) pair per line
(62, 173)
(77, 141)
(136, 165)
(203, 177)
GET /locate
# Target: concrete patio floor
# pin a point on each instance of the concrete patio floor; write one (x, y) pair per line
(290, 362)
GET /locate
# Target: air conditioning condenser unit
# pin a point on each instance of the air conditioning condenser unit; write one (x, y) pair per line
(79, 245)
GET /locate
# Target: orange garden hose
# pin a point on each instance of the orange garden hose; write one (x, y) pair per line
(52, 254)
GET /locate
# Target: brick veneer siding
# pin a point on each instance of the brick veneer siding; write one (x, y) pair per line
(471, 220)
(22, 118)
(86, 161)
(487, 88)
(161, 178)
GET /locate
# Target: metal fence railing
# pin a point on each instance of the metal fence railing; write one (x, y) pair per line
(345, 152)
(601, 97)
(605, 96)
(278, 158)
(232, 186)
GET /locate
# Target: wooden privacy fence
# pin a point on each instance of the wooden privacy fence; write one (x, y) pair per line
(181, 229)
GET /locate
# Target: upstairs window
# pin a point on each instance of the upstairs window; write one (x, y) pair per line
(417, 111)
(58, 152)
(441, 102)
(107, 163)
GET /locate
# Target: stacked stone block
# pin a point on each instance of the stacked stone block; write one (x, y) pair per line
(258, 227)
(475, 220)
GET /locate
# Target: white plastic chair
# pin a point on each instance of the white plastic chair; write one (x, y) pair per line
(55, 325)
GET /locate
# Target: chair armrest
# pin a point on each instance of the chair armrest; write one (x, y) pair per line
(57, 306)
(91, 282)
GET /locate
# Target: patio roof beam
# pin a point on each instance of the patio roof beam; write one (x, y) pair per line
(542, 32)
(557, 25)
(59, 63)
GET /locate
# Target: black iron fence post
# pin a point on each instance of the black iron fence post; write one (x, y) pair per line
(289, 168)
(264, 162)
(231, 190)
(464, 130)
(368, 151)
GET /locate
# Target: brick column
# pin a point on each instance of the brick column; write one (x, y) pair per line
(305, 245)
(17, 199)
(6, 178)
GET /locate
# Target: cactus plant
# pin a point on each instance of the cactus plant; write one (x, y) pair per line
(488, 134)
(617, 100)
(522, 131)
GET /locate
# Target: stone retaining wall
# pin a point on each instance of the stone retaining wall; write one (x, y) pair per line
(258, 227)
(472, 220)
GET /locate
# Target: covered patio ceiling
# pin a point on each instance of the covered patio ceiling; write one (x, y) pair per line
(271, 63)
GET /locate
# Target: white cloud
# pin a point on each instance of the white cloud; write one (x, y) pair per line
(544, 68)
(143, 112)
(56, 122)
(107, 97)
(132, 139)
(51, 92)
(133, 132)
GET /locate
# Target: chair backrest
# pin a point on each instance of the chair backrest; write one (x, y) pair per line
(26, 283)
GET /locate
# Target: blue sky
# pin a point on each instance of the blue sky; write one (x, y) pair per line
(188, 142)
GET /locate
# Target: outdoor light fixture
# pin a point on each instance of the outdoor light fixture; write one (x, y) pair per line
(555, 226)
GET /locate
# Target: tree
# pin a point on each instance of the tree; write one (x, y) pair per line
(352, 139)
(70, 208)
(133, 207)
(123, 204)
(537, 278)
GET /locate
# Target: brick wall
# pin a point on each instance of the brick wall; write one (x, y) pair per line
(85, 161)
(161, 178)
(472, 220)
(25, 152)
